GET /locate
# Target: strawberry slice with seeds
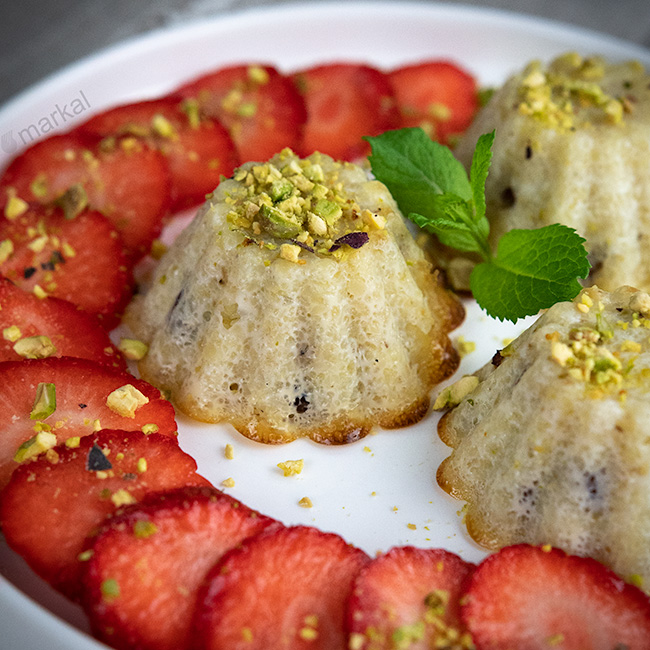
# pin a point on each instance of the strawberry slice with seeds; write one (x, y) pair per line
(409, 598)
(438, 96)
(284, 588)
(47, 401)
(531, 598)
(78, 259)
(260, 107)
(156, 554)
(127, 182)
(26, 319)
(344, 102)
(52, 504)
(197, 148)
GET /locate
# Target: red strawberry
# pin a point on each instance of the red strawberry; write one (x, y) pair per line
(81, 260)
(344, 102)
(127, 182)
(409, 598)
(530, 598)
(261, 109)
(52, 504)
(439, 96)
(29, 419)
(157, 554)
(285, 588)
(197, 148)
(72, 332)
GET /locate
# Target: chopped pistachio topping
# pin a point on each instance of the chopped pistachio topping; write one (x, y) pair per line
(110, 589)
(15, 207)
(229, 482)
(44, 402)
(292, 467)
(150, 428)
(73, 201)
(122, 497)
(454, 394)
(6, 250)
(35, 347)
(143, 529)
(11, 334)
(41, 442)
(126, 400)
(293, 205)
(133, 349)
(305, 502)
(162, 127)
(571, 91)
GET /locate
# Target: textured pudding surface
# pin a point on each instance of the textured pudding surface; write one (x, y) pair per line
(553, 444)
(298, 304)
(572, 146)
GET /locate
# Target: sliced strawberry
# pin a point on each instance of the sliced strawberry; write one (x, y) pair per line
(531, 598)
(72, 332)
(197, 148)
(157, 554)
(284, 588)
(81, 389)
(81, 260)
(261, 108)
(52, 504)
(127, 182)
(439, 96)
(344, 102)
(409, 598)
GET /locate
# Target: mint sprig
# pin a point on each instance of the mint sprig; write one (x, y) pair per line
(532, 269)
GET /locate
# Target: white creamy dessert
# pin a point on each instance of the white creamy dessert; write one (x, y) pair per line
(298, 304)
(572, 146)
(552, 438)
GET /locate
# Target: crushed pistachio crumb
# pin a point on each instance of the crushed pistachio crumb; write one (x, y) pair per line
(126, 400)
(6, 250)
(35, 347)
(31, 448)
(454, 394)
(305, 502)
(142, 529)
(292, 467)
(228, 483)
(15, 207)
(11, 333)
(44, 401)
(122, 497)
(110, 589)
(150, 428)
(133, 349)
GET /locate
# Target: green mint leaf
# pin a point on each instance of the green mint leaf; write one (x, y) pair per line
(533, 269)
(451, 233)
(414, 168)
(478, 173)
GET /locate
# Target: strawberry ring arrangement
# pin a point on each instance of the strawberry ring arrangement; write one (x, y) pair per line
(98, 497)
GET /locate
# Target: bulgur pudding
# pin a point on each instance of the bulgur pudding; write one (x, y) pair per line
(572, 146)
(551, 438)
(298, 304)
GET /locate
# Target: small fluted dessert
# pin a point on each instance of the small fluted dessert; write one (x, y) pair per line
(298, 304)
(572, 146)
(551, 439)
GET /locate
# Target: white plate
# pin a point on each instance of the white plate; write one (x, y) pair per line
(381, 491)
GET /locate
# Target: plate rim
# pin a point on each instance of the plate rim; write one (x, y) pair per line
(16, 605)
